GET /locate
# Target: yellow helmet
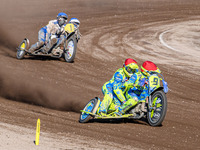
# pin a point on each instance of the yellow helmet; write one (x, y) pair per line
(130, 67)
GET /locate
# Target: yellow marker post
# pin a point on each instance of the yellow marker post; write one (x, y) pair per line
(37, 132)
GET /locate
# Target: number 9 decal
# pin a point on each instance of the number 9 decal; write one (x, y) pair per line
(154, 81)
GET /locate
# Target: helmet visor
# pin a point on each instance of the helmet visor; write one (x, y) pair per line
(130, 70)
(61, 21)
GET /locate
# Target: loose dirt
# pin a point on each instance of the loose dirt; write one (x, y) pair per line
(163, 31)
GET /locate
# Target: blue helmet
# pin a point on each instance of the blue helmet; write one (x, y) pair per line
(62, 18)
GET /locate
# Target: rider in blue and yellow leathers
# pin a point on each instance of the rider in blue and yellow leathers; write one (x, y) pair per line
(138, 90)
(114, 89)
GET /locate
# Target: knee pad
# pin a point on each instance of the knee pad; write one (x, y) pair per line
(53, 39)
(133, 101)
(128, 105)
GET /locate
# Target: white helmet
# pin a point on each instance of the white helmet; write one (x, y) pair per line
(75, 21)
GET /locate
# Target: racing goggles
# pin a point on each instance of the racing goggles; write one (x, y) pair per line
(61, 21)
(131, 70)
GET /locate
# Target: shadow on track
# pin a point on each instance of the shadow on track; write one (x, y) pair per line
(43, 58)
(142, 121)
(119, 121)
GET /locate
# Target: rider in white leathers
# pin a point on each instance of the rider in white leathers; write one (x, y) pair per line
(49, 34)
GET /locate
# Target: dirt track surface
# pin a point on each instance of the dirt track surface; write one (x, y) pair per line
(166, 32)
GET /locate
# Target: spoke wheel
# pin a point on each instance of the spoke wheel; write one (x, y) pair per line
(156, 112)
(21, 50)
(90, 106)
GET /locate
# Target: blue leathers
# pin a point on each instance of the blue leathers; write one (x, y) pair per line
(113, 91)
(137, 91)
(140, 88)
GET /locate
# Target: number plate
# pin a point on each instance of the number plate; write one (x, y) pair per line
(154, 82)
(69, 28)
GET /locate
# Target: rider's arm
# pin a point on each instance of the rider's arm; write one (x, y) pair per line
(49, 27)
(117, 84)
(53, 28)
(145, 93)
(131, 81)
(143, 96)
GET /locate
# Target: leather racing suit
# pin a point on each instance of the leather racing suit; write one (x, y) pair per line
(137, 91)
(113, 91)
(48, 35)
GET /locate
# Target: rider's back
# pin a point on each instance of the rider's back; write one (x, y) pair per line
(52, 27)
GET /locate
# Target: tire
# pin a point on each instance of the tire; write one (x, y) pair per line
(21, 49)
(156, 117)
(91, 106)
(70, 47)
(20, 54)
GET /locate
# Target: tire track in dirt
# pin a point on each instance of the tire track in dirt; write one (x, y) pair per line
(70, 86)
(182, 35)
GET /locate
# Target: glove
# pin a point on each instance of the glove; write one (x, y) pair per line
(123, 102)
(142, 82)
(60, 31)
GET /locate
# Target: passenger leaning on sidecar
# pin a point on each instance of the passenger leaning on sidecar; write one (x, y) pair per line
(137, 89)
(114, 89)
(49, 34)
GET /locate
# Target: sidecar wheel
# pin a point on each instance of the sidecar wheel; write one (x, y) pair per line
(91, 106)
(156, 116)
(20, 54)
(21, 49)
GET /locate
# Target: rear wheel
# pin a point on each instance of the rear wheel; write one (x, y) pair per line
(91, 106)
(70, 47)
(157, 111)
(21, 49)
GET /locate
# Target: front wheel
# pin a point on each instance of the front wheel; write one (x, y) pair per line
(70, 47)
(91, 107)
(157, 111)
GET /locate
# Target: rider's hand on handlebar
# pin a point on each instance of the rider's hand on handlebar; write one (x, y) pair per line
(60, 31)
(123, 102)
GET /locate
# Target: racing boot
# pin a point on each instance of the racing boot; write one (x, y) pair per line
(125, 107)
(35, 46)
(105, 103)
(118, 112)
